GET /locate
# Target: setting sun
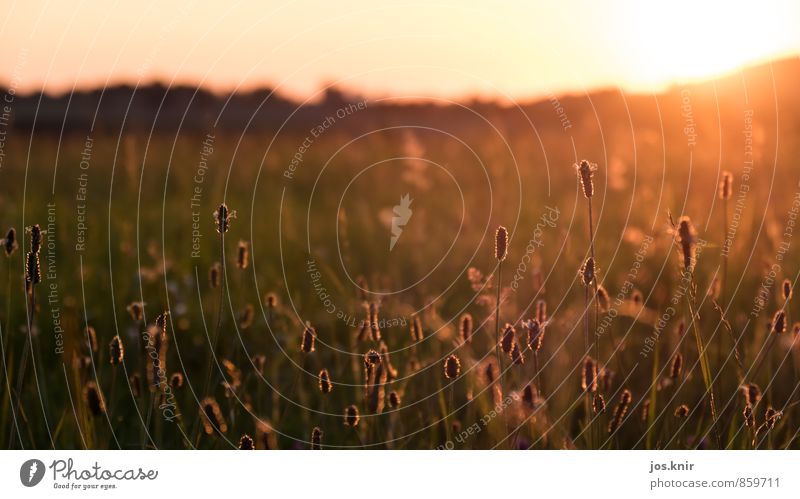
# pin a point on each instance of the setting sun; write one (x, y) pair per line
(691, 40)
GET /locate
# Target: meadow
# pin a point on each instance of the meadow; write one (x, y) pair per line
(348, 284)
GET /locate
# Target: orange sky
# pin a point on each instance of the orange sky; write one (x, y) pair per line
(436, 48)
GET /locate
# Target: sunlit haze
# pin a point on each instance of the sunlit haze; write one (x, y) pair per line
(446, 49)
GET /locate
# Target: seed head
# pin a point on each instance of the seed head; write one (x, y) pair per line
(726, 185)
(212, 416)
(787, 289)
(620, 411)
(677, 366)
(530, 395)
(243, 255)
(222, 218)
(507, 340)
(682, 411)
(394, 400)
(501, 243)
(417, 333)
(771, 417)
(452, 367)
(687, 239)
(316, 438)
(535, 334)
(36, 238)
(215, 275)
(598, 404)
(94, 399)
(752, 394)
(588, 272)
(779, 322)
(116, 350)
(465, 329)
(351, 415)
(309, 337)
(541, 311)
(246, 316)
(33, 271)
(585, 172)
(589, 375)
(271, 301)
(325, 385)
(372, 358)
(10, 242)
(247, 443)
(136, 309)
(176, 381)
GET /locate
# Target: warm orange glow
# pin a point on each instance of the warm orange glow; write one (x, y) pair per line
(448, 48)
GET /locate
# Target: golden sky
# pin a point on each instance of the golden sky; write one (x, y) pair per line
(434, 48)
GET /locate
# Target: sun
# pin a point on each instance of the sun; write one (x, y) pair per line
(684, 40)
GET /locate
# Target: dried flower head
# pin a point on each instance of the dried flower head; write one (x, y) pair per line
(94, 399)
(535, 334)
(452, 367)
(687, 240)
(620, 411)
(316, 438)
(779, 322)
(222, 218)
(271, 300)
(136, 310)
(417, 333)
(588, 272)
(215, 275)
(243, 255)
(351, 415)
(541, 311)
(212, 417)
(589, 375)
(36, 237)
(465, 328)
(507, 340)
(33, 271)
(677, 366)
(247, 443)
(116, 350)
(682, 411)
(771, 417)
(585, 171)
(752, 393)
(246, 316)
(176, 381)
(325, 385)
(501, 243)
(10, 242)
(135, 382)
(394, 400)
(259, 362)
(372, 358)
(786, 288)
(308, 339)
(726, 185)
(598, 404)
